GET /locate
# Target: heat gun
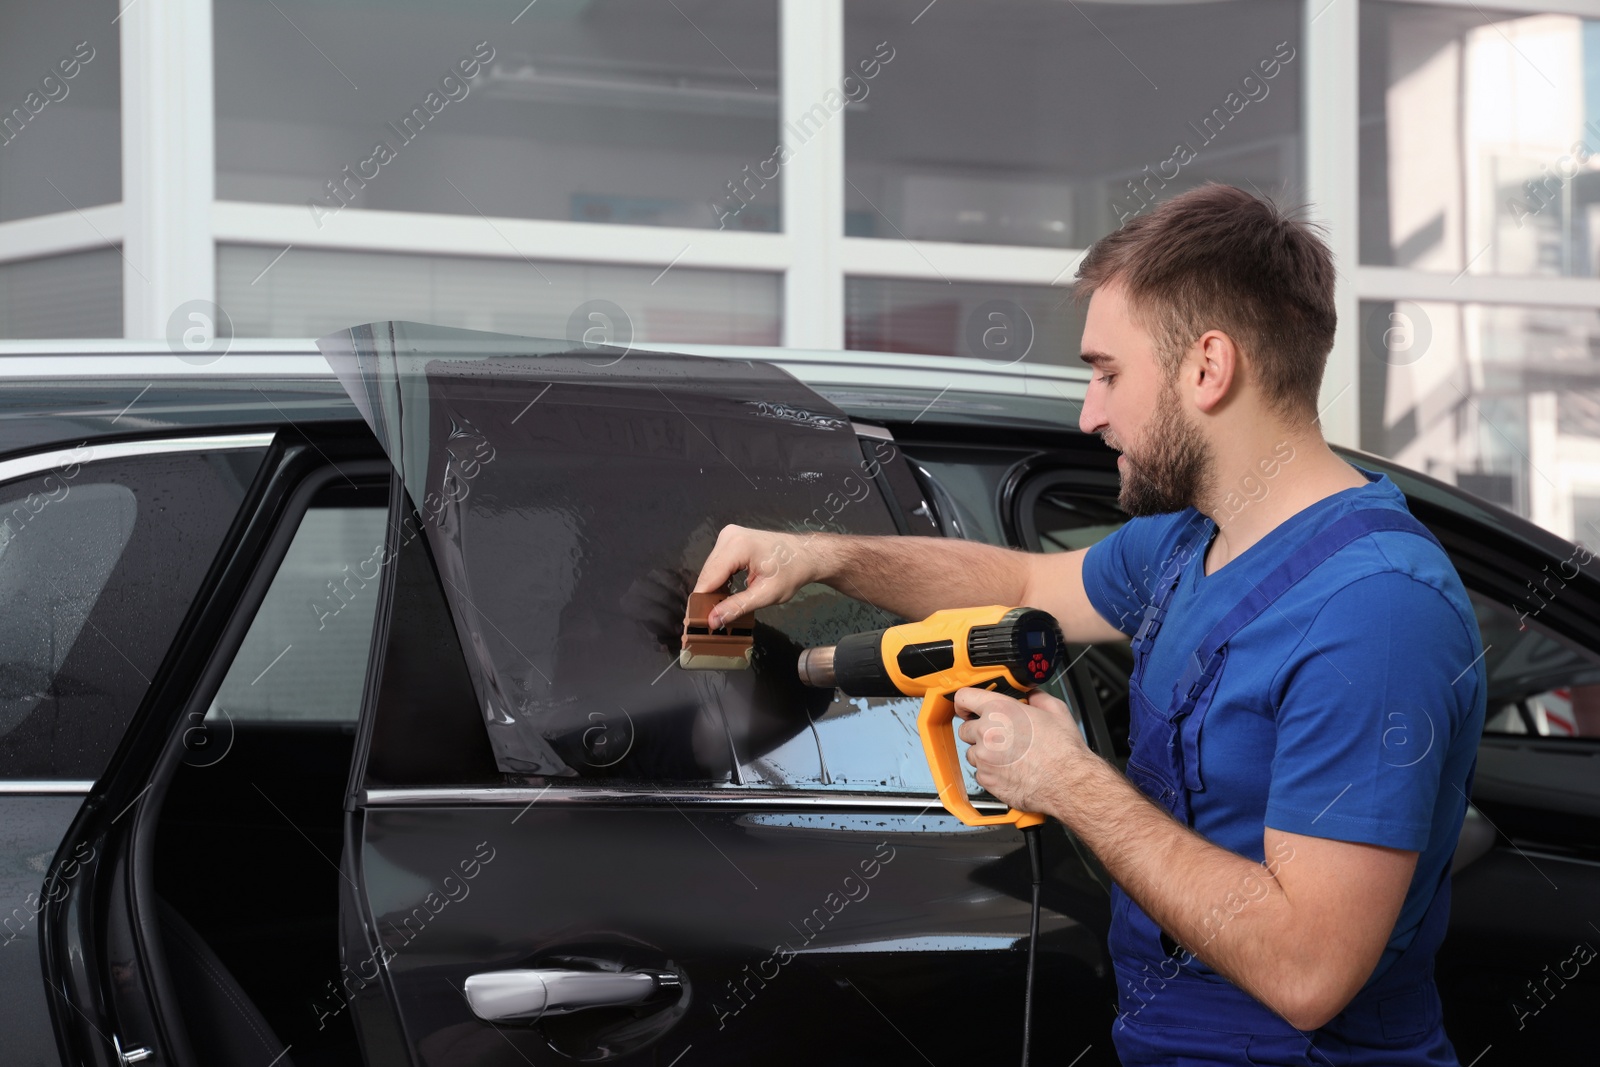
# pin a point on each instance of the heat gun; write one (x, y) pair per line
(1008, 650)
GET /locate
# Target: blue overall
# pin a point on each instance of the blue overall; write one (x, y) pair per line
(1171, 1014)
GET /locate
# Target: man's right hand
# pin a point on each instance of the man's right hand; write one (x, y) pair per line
(776, 565)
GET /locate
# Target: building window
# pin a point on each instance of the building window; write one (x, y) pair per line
(75, 295)
(1027, 122)
(1001, 324)
(60, 109)
(614, 111)
(1478, 134)
(310, 292)
(1503, 401)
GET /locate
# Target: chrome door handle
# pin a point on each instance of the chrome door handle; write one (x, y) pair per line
(499, 996)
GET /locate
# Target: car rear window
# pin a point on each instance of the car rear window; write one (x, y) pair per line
(99, 562)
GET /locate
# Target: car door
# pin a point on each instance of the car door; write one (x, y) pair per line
(1515, 970)
(539, 786)
(103, 544)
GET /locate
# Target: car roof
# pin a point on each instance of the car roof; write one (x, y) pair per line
(884, 385)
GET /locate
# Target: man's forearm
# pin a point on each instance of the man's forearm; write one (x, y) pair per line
(916, 576)
(1229, 911)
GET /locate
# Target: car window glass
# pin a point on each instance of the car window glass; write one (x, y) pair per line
(99, 562)
(960, 490)
(304, 658)
(56, 563)
(1540, 683)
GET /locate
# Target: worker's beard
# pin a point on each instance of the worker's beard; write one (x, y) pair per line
(1173, 466)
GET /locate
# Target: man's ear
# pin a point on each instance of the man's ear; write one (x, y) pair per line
(1214, 368)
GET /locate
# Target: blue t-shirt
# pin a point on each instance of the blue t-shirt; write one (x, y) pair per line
(1351, 708)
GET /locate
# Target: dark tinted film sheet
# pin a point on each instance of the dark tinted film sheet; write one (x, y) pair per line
(569, 499)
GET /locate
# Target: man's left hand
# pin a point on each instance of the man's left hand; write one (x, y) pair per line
(1022, 752)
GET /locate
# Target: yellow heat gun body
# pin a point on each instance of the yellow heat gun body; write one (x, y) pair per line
(1008, 650)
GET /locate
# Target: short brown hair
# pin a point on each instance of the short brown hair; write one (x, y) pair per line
(1217, 257)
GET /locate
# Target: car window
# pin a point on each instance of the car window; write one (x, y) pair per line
(1540, 683)
(304, 658)
(101, 554)
(567, 502)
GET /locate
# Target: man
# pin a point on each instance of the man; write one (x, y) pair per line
(1308, 687)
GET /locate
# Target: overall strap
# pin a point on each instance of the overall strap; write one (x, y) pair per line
(1156, 610)
(1207, 659)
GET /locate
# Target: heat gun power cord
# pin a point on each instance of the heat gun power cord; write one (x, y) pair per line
(1030, 834)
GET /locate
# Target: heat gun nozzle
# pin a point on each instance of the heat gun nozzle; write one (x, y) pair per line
(816, 667)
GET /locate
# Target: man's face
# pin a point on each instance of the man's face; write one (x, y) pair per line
(1136, 409)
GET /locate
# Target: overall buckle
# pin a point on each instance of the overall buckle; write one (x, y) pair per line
(1149, 626)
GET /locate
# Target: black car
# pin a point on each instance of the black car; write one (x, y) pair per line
(342, 720)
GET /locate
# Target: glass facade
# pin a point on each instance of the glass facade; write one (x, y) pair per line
(1479, 134)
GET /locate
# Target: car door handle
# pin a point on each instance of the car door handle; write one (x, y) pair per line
(500, 996)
